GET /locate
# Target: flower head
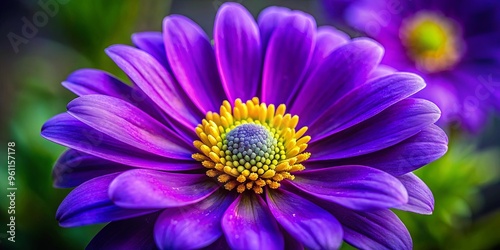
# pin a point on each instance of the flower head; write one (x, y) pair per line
(281, 134)
(452, 45)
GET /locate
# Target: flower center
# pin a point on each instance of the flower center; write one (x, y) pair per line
(251, 145)
(432, 41)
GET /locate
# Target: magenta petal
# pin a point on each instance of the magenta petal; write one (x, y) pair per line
(152, 42)
(327, 40)
(381, 71)
(420, 198)
(287, 57)
(238, 50)
(314, 227)
(268, 20)
(421, 149)
(134, 233)
(219, 244)
(365, 102)
(143, 188)
(126, 123)
(89, 203)
(381, 229)
(94, 81)
(355, 187)
(156, 82)
(342, 70)
(248, 224)
(193, 226)
(74, 168)
(66, 130)
(192, 59)
(390, 127)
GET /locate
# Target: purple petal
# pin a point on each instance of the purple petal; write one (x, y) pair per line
(248, 224)
(380, 71)
(287, 57)
(291, 243)
(417, 151)
(128, 124)
(135, 233)
(66, 130)
(420, 198)
(342, 70)
(219, 244)
(156, 82)
(355, 187)
(193, 226)
(268, 20)
(89, 203)
(238, 50)
(92, 81)
(390, 127)
(152, 43)
(314, 227)
(143, 188)
(365, 102)
(74, 168)
(381, 229)
(328, 39)
(192, 60)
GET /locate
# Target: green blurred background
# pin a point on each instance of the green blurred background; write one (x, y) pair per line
(75, 34)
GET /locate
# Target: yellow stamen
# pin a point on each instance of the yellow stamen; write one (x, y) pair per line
(251, 145)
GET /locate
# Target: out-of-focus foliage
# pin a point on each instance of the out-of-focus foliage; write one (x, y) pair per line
(454, 181)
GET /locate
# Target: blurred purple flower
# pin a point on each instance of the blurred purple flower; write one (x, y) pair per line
(453, 45)
(251, 180)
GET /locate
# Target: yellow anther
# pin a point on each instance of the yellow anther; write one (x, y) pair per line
(301, 132)
(213, 156)
(268, 174)
(293, 152)
(262, 113)
(212, 173)
(303, 157)
(297, 167)
(255, 100)
(281, 110)
(208, 164)
(199, 157)
(278, 177)
(224, 178)
(303, 140)
(219, 167)
(284, 166)
(260, 183)
(205, 149)
(274, 185)
(241, 178)
(270, 112)
(245, 172)
(253, 176)
(241, 188)
(231, 185)
(258, 190)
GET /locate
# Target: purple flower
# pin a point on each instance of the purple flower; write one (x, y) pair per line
(453, 45)
(170, 167)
